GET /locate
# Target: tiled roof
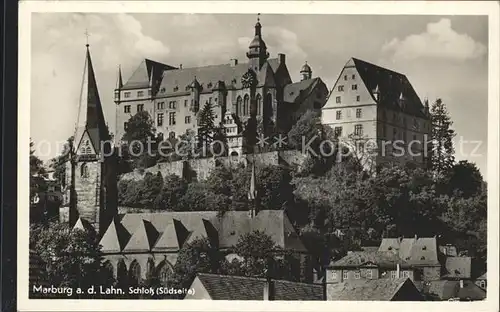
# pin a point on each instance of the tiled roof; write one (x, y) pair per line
(225, 287)
(387, 259)
(170, 230)
(415, 251)
(390, 85)
(297, 91)
(367, 289)
(369, 248)
(459, 267)
(451, 289)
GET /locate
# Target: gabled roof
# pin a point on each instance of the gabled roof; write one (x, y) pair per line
(415, 251)
(384, 289)
(297, 91)
(383, 259)
(445, 290)
(115, 238)
(84, 225)
(391, 85)
(225, 287)
(143, 239)
(458, 267)
(171, 230)
(141, 77)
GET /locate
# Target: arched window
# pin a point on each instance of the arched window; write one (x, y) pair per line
(121, 274)
(238, 106)
(268, 106)
(163, 272)
(246, 105)
(84, 171)
(150, 269)
(134, 273)
(259, 105)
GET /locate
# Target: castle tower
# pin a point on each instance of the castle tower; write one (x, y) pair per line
(305, 72)
(91, 169)
(257, 51)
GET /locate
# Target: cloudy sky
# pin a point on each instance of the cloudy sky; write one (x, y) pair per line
(443, 56)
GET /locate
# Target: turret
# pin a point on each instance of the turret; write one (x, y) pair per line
(195, 88)
(119, 84)
(257, 50)
(305, 72)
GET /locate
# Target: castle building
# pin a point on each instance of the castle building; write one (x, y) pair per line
(136, 245)
(174, 96)
(376, 104)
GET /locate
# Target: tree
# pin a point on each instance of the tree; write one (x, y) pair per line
(307, 128)
(274, 187)
(170, 197)
(151, 188)
(72, 257)
(198, 256)
(255, 248)
(188, 146)
(465, 178)
(441, 141)
(219, 180)
(206, 125)
(199, 197)
(59, 163)
(37, 173)
(140, 140)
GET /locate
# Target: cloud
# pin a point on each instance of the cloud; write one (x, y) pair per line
(278, 40)
(439, 41)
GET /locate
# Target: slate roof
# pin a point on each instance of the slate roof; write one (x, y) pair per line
(141, 77)
(445, 290)
(176, 81)
(171, 230)
(390, 85)
(297, 91)
(421, 251)
(367, 289)
(458, 267)
(225, 287)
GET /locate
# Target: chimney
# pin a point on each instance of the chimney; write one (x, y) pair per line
(269, 289)
(234, 62)
(415, 236)
(461, 284)
(281, 58)
(397, 270)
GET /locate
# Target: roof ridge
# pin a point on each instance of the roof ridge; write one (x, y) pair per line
(378, 66)
(256, 278)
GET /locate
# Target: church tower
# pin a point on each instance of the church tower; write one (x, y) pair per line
(257, 51)
(92, 167)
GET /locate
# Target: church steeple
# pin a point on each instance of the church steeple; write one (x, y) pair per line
(257, 50)
(90, 119)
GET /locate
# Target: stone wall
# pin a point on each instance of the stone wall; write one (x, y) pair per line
(202, 167)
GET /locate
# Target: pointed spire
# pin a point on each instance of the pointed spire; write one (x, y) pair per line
(90, 118)
(119, 80)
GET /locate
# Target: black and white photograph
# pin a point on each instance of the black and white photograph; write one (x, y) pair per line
(268, 154)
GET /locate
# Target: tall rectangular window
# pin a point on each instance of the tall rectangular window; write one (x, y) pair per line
(126, 109)
(140, 107)
(344, 273)
(353, 76)
(337, 99)
(369, 273)
(355, 87)
(126, 94)
(125, 126)
(341, 88)
(357, 275)
(171, 118)
(187, 119)
(140, 93)
(394, 274)
(345, 77)
(185, 103)
(358, 98)
(338, 115)
(358, 112)
(358, 130)
(159, 119)
(337, 131)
